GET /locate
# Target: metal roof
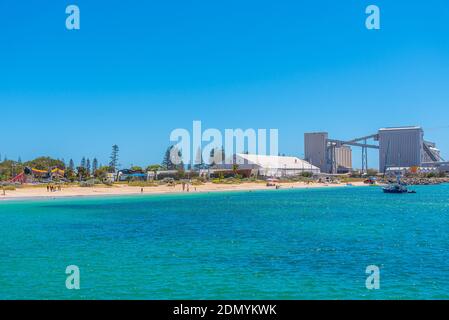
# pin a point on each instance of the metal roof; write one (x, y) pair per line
(401, 128)
(276, 162)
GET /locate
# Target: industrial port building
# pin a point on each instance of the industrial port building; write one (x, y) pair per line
(398, 147)
(317, 153)
(401, 147)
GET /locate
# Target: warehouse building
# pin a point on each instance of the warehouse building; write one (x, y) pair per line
(270, 166)
(274, 166)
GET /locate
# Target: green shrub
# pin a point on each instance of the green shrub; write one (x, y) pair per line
(306, 174)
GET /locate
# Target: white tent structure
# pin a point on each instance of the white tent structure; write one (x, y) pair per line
(274, 166)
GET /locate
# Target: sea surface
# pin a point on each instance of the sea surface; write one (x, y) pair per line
(282, 244)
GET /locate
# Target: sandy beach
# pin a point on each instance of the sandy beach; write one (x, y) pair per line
(32, 192)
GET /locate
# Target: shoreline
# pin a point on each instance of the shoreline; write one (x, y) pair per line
(40, 193)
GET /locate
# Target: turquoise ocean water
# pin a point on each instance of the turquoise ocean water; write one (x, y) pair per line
(284, 244)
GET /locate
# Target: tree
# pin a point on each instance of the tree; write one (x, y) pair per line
(70, 174)
(307, 174)
(45, 163)
(88, 165)
(199, 163)
(137, 169)
(212, 155)
(181, 173)
(167, 162)
(223, 155)
(19, 160)
(217, 156)
(9, 169)
(82, 173)
(154, 167)
(113, 163)
(180, 166)
(71, 165)
(94, 165)
(83, 162)
(102, 173)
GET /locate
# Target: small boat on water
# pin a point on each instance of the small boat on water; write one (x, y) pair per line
(395, 188)
(398, 187)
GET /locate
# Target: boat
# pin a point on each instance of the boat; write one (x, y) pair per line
(398, 187)
(395, 188)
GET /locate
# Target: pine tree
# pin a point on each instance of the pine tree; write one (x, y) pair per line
(114, 158)
(216, 156)
(19, 160)
(83, 163)
(71, 165)
(199, 163)
(223, 155)
(94, 165)
(167, 162)
(181, 165)
(88, 165)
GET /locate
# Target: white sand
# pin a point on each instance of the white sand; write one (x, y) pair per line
(30, 192)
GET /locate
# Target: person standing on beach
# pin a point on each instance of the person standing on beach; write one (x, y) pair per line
(4, 192)
(141, 190)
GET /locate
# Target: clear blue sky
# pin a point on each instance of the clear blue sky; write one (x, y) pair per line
(138, 69)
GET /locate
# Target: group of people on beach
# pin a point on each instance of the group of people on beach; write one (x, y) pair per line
(53, 188)
(186, 187)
